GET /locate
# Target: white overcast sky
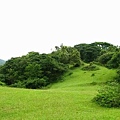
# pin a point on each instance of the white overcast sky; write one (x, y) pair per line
(39, 25)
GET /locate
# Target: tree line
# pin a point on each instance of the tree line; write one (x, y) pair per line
(36, 70)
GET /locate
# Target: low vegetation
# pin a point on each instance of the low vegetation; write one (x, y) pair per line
(90, 67)
(109, 95)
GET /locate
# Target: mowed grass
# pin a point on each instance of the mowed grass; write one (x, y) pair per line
(69, 99)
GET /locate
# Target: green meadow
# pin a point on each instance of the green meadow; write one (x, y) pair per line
(69, 99)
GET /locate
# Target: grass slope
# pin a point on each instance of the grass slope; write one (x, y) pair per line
(69, 99)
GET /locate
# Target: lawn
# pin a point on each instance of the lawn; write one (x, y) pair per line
(69, 99)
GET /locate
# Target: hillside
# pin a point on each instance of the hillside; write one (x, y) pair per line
(69, 99)
(35, 70)
(2, 62)
(77, 78)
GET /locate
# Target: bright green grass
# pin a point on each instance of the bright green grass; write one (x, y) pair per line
(82, 79)
(67, 100)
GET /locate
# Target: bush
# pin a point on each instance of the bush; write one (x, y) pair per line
(2, 83)
(103, 59)
(36, 83)
(109, 96)
(18, 84)
(117, 79)
(90, 67)
(115, 61)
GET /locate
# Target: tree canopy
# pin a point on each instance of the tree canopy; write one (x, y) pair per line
(36, 70)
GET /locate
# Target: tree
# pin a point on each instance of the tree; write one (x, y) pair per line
(67, 55)
(115, 60)
(88, 52)
(105, 58)
(52, 69)
(33, 70)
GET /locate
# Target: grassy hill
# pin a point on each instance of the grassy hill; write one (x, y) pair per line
(69, 99)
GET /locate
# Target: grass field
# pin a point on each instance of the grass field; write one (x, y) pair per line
(69, 99)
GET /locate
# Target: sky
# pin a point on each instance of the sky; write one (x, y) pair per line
(40, 25)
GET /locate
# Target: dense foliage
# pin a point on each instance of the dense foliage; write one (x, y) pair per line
(39, 70)
(88, 52)
(92, 52)
(103, 59)
(114, 62)
(90, 67)
(109, 96)
(67, 55)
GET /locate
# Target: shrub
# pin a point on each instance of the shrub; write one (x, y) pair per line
(2, 83)
(18, 84)
(90, 67)
(103, 59)
(36, 83)
(115, 61)
(92, 74)
(109, 96)
(118, 76)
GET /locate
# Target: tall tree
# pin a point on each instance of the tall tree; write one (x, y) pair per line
(67, 55)
(88, 52)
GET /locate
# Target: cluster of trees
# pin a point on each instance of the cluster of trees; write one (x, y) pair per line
(92, 52)
(36, 70)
